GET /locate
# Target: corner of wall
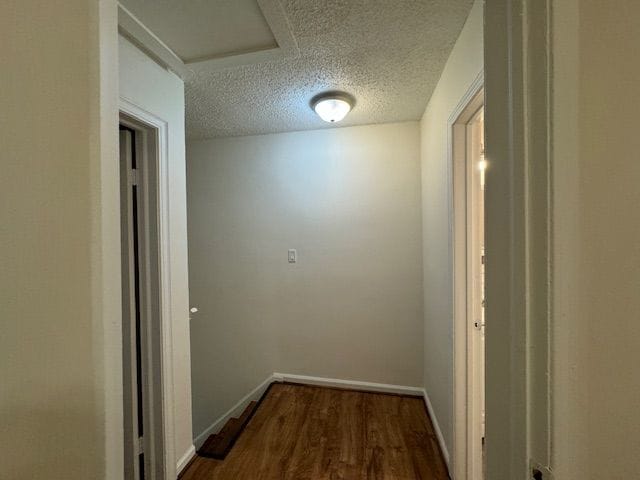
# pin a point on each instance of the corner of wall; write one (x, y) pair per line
(464, 65)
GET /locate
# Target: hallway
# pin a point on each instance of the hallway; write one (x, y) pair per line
(293, 207)
(303, 432)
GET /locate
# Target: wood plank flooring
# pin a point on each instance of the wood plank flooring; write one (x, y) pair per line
(313, 433)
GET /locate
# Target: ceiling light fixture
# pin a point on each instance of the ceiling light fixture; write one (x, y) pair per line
(332, 106)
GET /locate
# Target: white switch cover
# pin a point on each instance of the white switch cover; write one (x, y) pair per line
(293, 255)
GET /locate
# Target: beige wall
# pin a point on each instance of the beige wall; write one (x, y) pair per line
(462, 68)
(348, 200)
(596, 336)
(161, 93)
(60, 382)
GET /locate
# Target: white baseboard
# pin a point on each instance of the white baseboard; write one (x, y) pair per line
(350, 384)
(234, 411)
(436, 427)
(185, 459)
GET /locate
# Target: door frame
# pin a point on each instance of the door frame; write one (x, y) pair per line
(518, 232)
(458, 160)
(152, 145)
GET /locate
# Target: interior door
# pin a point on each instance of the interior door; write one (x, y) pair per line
(133, 372)
(476, 258)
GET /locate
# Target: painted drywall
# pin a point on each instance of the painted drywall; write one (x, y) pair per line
(596, 262)
(60, 387)
(161, 93)
(462, 68)
(348, 200)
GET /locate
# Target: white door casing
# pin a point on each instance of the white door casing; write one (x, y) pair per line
(153, 181)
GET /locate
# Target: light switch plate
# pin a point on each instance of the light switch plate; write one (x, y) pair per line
(292, 255)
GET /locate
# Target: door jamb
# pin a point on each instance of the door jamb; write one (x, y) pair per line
(519, 224)
(155, 156)
(467, 107)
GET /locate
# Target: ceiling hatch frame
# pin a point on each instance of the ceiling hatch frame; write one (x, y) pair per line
(134, 30)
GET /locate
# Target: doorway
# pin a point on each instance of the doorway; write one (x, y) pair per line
(468, 177)
(141, 307)
(476, 166)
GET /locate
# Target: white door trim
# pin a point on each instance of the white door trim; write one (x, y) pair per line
(164, 360)
(468, 106)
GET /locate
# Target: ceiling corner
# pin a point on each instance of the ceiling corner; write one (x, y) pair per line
(135, 31)
(278, 21)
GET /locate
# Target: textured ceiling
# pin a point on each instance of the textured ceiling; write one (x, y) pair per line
(388, 54)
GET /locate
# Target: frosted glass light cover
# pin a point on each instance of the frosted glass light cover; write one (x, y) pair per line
(332, 109)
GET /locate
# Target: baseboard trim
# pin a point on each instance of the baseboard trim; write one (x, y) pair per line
(436, 427)
(234, 411)
(349, 384)
(185, 459)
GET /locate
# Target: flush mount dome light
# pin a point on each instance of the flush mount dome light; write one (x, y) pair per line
(332, 106)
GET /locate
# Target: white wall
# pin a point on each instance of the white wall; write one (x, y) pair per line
(596, 326)
(161, 93)
(60, 371)
(348, 200)
(462, 68)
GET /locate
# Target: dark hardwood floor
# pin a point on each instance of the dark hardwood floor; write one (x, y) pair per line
(312, 433)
